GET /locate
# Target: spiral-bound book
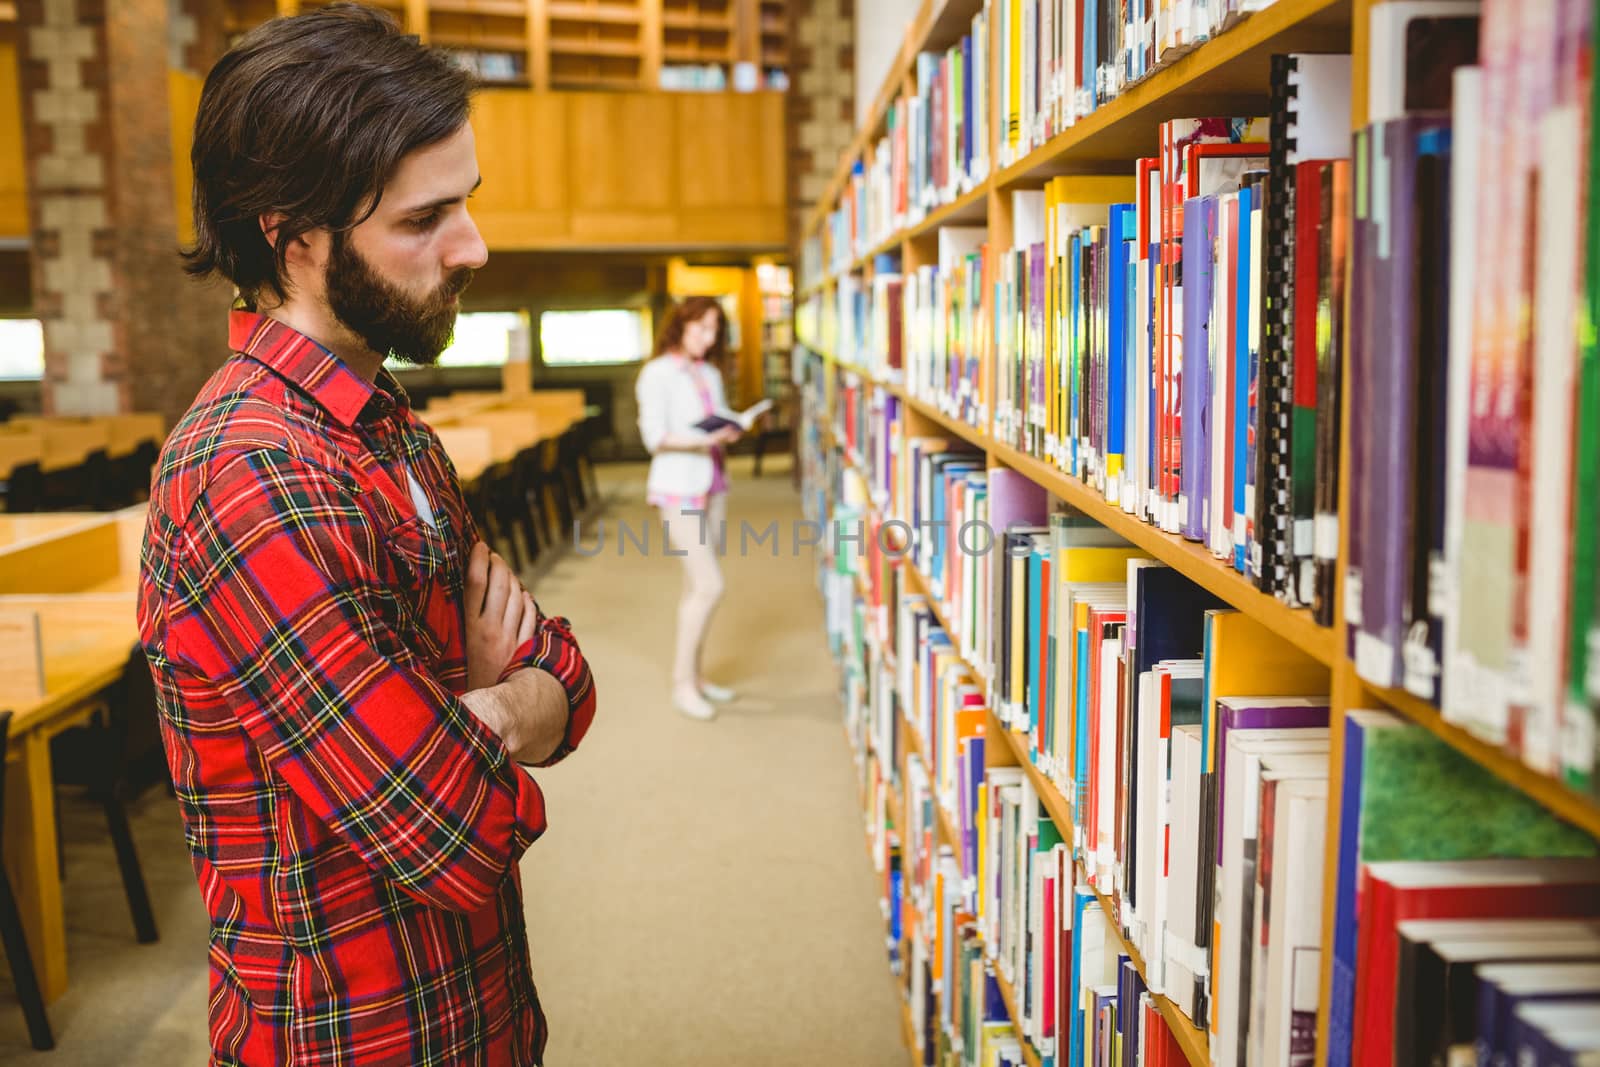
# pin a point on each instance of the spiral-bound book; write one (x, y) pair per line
(1307, 121)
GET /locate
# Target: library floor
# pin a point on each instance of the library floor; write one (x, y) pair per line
(703, 896)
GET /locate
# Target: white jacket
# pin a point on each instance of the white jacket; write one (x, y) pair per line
(670, 405)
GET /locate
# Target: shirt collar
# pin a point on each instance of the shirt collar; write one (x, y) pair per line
(310, 367)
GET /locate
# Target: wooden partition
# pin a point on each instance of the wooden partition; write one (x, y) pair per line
(561, 170)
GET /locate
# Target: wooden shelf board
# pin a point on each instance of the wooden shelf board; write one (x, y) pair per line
(1009, 995)
(560, 11)
(480, 42)
(570, 47)
(1055, 803)
(967, 209)
(515, 9)
(1220, 77)
(694, 21)
(947, 832)
(896, 808)
(593, 81)
(697, 54)
(1192, 559)
(1580, 810)
(971, 207)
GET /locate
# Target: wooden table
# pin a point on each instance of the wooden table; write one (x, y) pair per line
(85, 607)
(479, 441)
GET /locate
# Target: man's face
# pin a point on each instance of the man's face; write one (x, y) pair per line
(396, 279)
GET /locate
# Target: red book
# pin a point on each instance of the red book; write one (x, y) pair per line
(1089, 818)
(1047, 1021)
(1475, 889)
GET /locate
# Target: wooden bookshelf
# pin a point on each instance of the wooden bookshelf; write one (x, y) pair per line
(578, 44)
(1226, 74)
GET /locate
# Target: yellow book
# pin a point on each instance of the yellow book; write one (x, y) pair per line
(1244, 658)
(1051, 368)
(1014, 96)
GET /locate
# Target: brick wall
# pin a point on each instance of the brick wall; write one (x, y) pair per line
(124, 330)
(821, 99)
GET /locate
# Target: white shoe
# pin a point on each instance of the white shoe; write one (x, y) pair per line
(717, 694)
(693, 705)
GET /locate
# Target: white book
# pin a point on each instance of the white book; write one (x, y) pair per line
(1104, 853)
(1220, 517)
(1294, 955)
(1154, 954)
(1233, 905)
(1555, 363)
(1319, 117)
(1183, 966)
(1027, 218)
(1387, 50)
(1266, 939)
(1148, 854)
(958, 242)
(1462, 700)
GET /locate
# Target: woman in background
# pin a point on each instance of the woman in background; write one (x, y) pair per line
(679, 386)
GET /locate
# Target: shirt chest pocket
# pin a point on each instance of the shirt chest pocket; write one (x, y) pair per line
(426, 584)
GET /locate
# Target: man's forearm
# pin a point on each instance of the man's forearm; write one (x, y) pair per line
(528, 711)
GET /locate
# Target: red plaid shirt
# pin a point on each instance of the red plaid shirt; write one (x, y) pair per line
(355, 830)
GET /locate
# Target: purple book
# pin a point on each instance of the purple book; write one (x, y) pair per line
(1358, 347)
(971, 816)
(1502, 988)
(1259, 713)
(1199, 232)
(1390, 372)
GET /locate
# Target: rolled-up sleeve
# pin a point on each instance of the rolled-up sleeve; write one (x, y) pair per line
(554, 650)
(281, 607)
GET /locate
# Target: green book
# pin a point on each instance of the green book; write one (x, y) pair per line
(1579, 734)
(1423, 800)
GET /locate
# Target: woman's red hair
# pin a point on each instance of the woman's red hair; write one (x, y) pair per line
(685, 311)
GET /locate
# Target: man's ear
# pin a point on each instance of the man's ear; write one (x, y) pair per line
(269, 227)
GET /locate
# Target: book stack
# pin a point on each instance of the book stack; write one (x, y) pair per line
(1475, 540)
(1060, 60)
(1177, 349)
(947, 326)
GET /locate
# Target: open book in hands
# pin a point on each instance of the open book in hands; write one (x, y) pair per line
(742, 419)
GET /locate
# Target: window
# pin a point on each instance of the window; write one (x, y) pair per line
(594, 336)
(481, 339)
(21, 350)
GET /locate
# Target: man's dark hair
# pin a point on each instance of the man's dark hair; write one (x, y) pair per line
(310, 116)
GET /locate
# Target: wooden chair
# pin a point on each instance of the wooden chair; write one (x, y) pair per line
(13, 936)
(23, 488)
(110, 756)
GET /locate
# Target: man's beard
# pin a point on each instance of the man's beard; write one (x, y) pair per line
(388, 320)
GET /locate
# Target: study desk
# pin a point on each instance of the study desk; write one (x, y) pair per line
(76, 573)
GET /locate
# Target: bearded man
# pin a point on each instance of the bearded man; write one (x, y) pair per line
(350, 683)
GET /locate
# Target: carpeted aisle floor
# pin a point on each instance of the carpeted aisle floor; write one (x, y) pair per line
(703, 896)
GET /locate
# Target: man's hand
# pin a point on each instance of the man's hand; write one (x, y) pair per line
(727, 435)
(499, 614)
(528, 712)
